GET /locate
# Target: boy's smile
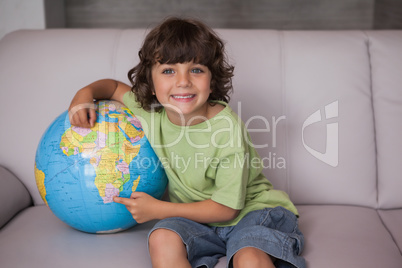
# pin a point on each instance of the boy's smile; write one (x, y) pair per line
(183, 89)
(183, 97)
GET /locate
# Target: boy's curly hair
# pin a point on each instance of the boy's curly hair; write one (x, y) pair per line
(179, 41)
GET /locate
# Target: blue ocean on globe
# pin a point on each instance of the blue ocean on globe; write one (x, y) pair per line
(78, 171)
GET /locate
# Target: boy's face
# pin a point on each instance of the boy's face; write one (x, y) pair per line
(183, 89)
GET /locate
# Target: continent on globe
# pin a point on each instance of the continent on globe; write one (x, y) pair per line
(40, 183)
(109, 144)
(79, 170)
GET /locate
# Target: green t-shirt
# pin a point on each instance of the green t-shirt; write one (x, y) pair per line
(211, 160)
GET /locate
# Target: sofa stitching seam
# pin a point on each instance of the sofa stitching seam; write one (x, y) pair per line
(284, 107)
(368, 46)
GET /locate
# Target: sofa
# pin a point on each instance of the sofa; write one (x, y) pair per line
(323, 109)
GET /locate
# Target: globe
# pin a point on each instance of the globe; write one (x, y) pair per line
(78, 171)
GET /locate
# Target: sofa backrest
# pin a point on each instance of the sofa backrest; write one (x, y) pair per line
(323, 107)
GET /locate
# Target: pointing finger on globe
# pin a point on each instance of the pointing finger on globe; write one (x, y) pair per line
(127, 201)
(121, 200)
(135, 195)
(142, 206)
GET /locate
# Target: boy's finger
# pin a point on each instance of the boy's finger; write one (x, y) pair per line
(121, 200)
(135, 195)
(92, 117)
(83, 115)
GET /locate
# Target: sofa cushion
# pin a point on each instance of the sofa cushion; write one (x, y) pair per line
(282, 79)
(37, 237)
(347, 236)
(329, 113)
(386, 64)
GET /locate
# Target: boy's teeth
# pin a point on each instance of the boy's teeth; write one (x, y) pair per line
(183, 97)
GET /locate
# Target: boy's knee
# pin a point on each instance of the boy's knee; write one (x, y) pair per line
(167, 249)
(252, 257)
(163, 237)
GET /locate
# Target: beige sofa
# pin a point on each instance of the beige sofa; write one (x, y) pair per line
(323, 108)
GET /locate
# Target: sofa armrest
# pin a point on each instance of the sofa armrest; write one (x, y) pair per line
(14, 197)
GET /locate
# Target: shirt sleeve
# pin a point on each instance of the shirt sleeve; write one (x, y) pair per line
(231, 181)
(142, 115)
(132, 104)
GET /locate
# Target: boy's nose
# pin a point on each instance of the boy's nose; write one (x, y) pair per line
(183, 80)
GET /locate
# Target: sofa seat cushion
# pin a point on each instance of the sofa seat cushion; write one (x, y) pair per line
(335, 236)
(36, 236)
(346, 236)
(393, 221)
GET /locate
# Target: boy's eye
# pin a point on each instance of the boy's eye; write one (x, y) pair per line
(197, 70)
(168, 71)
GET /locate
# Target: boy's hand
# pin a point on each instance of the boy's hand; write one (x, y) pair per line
(82, 110)
(142, 206)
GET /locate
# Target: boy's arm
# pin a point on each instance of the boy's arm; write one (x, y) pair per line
(207, 211)
(144, 208)
(81, 110)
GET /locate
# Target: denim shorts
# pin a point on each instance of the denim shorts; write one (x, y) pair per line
(272, 230)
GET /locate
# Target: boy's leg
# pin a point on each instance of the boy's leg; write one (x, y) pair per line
(177, 239)
(167, 249)
(273, 231)
(250, 257)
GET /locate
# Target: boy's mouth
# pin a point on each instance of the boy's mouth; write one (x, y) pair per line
(183, 97)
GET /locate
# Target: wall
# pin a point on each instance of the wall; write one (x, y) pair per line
(388, 14)
(271, 14)
(268, 14)
(30, 14)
